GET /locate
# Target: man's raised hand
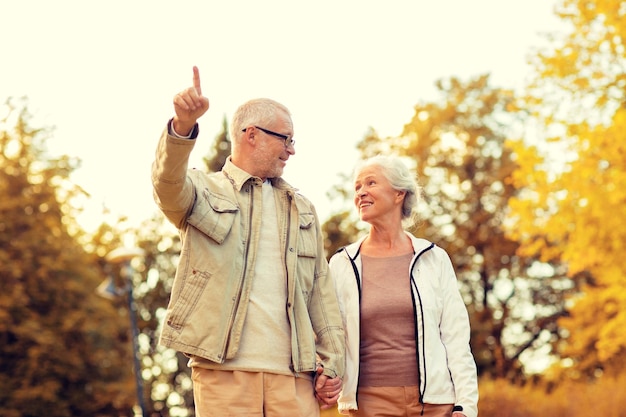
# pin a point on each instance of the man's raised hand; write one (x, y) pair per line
(189, 105)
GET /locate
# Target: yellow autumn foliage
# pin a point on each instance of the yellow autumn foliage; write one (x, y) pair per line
(577, 211)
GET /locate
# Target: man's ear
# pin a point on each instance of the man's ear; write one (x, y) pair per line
(250, 135)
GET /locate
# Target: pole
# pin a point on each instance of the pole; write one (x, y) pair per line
(132, 312)
(122, 257)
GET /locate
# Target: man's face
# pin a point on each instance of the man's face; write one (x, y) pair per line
(271, 153)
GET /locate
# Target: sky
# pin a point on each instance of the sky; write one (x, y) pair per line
(104, 74)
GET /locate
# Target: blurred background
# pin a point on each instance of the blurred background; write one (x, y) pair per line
(511, 113)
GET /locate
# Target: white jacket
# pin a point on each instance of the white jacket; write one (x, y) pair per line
(446, 366)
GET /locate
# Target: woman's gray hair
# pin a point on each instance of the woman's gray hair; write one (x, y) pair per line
(258, 111)
(400, 178)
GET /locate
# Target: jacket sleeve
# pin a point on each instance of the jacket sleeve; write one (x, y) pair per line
(348, 298)
(455, 335)
(325, 314)
(172, 189)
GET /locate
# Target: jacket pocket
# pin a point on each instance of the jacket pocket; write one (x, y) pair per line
(307, 255)
(187, 298)
(213, 214)
(307, 236)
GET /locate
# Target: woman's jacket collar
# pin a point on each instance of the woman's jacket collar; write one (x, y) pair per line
(419, 245)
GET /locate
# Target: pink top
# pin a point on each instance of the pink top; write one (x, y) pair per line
(388, 352)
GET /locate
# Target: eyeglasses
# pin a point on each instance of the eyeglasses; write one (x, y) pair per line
(288, 140)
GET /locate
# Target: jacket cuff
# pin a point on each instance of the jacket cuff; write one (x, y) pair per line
(192, 135)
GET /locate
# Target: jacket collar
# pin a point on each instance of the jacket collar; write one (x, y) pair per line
(239, 177)
(419, 245)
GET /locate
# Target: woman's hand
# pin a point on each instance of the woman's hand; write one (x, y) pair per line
(326, 389)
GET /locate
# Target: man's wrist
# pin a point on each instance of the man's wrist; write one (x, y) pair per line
(182, 129)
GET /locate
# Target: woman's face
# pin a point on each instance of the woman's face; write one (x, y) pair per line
(374, 197)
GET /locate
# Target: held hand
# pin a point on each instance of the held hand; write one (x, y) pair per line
(326, 389)
(189, 105)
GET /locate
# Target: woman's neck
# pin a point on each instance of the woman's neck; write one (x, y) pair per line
(384, 242)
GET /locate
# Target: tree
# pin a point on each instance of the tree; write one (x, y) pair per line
(457, 147)
(343, 227)
(465, 168)
(339, 230)
(165, 370)
(575, 211)
(62, 346)
(221, 149)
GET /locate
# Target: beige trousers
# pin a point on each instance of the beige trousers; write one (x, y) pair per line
(251, 394)
(396, 402)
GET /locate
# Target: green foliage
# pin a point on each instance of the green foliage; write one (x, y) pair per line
(165, 371)
(166, 379)
(343, 227)
(63, 348)
(220, 151)
(339, 230)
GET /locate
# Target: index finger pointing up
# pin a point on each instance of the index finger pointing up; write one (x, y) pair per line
(196, 80)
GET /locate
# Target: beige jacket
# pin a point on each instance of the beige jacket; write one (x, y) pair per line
(219, 223)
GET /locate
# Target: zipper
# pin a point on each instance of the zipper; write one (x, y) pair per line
(358, 284)
(295, 353)
(421, 381)
(243, 274)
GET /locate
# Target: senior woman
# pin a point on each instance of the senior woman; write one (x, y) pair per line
(407, 328)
